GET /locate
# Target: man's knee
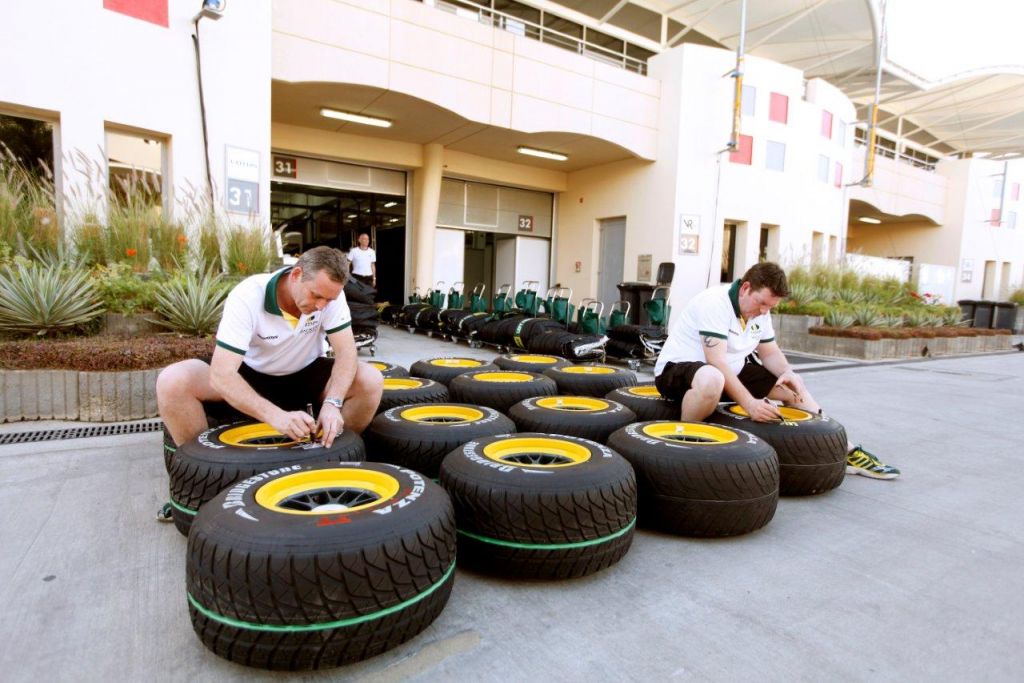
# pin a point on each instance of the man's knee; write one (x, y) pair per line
(368, 381)
(708, 381)
(184, 378)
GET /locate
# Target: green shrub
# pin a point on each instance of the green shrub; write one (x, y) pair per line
(43, 299)
(800, 293)
(248, 251)
(191, 303)
(123, 291)
(818, 308)
(1017, 296)
(866, 315)
(28, 212)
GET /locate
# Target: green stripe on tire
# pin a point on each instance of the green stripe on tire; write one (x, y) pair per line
(301, 628)
(182, 508)
(549, 546)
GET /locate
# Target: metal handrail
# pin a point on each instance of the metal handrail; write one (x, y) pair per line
(532, 30)
(900, 156)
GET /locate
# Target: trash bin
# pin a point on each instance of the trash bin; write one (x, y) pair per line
(637, 294)
(666, 271)
(967, 307)
(983, 313)
(1005, 315)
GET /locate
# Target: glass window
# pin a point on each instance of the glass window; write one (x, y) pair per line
(1011, 220)
(778, 108)
(744, 152)
(826, 124)
(748, 100)
(839, 175)
(823, 168)
(841, 133)
(775, 156)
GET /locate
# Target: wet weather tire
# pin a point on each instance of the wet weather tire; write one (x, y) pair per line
(646, 402)
(205, 466)
(582, 416)
(529, 362)
(695, 479)
(312, 567)
(444, 370)
(403, 391)
(591, 379)
(388, 369)
(420, 436)
(500, 389)
(540, 506)
(811, 448)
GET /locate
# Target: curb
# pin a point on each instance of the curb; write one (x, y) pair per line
(72, 395)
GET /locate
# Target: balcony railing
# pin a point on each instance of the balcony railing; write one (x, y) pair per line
(906, 156)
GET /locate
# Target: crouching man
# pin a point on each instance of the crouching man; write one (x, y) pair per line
(268, 361)
(709, 356)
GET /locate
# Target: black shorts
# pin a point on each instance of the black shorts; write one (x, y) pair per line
(294, 391)
(365, 279)
(675, 379)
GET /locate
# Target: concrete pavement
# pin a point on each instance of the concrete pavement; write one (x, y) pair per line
(913, 579)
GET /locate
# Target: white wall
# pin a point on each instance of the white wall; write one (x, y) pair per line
(89, 68)
(901, 189)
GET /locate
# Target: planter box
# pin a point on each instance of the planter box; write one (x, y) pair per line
(71, 395)
(789, 326)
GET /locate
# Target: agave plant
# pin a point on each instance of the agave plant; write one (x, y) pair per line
(850, 296)
(838, 318)
(917, 317)
(192, 303)
(800, 293)
(953, 316)
(867, 316)
(41, 299)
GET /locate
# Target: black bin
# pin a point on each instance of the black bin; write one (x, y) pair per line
(984, 312)
(967, 307)
(1005, 316)
(666, 271)
(637, 294)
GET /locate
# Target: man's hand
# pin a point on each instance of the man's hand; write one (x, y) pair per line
(331, 423)
(790, 380)
(762, 410)
(296, 424)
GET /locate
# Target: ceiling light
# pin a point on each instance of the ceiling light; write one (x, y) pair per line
(530, 151)
(388, 205)
(354, 118)
(351, 215)
(393, 220)
(869, 219)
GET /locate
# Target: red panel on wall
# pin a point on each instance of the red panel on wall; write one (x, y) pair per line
(839, 174)
(826, 124)
(153, 11)
(744, 152)
(1015, 191)
(778, 108)
(995, 217)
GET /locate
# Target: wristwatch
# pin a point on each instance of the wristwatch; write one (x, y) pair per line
(333, 401)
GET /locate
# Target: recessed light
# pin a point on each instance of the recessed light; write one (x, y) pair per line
(355, 118)
(393, 220)
(351, 215)
(530, 151)
(388, 205)
(869, 219)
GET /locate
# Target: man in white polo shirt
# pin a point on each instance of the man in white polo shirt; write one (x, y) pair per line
(709, 357)
(268, 361)
(364, 261)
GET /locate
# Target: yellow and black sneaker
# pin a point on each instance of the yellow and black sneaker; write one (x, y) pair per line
(860, 461)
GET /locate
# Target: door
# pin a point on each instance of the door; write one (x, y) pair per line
(611, 260)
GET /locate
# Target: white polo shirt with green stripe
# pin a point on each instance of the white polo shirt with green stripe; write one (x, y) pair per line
(715, 312)
(271, 341)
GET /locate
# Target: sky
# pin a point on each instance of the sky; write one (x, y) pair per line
(938, 38)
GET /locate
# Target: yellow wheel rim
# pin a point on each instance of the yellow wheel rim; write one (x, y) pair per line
(689, 432)
(456, 362)
(502, 377)
(534, 359)
(398, 383)
(327, 492)
(378, 365)
(788, 414)
(588, 370)
(573, 403)
(441, 413)
(646, 392)
(256, 435)
(537, 452)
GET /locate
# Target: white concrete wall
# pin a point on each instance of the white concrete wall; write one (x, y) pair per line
(900, 189)
(482, 73)
(87, 68)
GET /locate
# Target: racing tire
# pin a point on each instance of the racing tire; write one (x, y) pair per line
(582, 416)
(420, 436)
(696, 479)
(539, 506)
(219, 457)
(388, 369)
(591, 379)
(307, 567)
(403, 391)
(529, 362)
(811, 448)
(500, 389)
(648, 404)
(444, 370)
(217, 413)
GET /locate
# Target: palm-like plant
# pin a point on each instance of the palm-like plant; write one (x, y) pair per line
(191, 304)
(867, 316)
(838, 318)
(41, 299)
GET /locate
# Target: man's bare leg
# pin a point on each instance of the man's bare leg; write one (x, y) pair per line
(363, 398)
(703, 395)
(181, 389)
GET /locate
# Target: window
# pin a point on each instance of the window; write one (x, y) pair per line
(748, 100)
(744, 152)
(817, 247)
(1011, 220)
(1015, 191)
(778, 108)
(728, 253)
(768, 244)
(826, 124)
(841, 133)
(775, 156)
(994, 220)
(823, 168)
(839, 175)
(997, 188)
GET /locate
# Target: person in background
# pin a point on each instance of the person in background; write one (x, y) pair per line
(364, 261)
(722, 345)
